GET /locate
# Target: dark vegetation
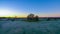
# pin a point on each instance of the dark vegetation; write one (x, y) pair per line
(32, 18)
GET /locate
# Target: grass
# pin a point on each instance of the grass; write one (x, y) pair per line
(33, 31)
(30, 20)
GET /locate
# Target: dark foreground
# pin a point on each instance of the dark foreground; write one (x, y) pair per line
(23, 27)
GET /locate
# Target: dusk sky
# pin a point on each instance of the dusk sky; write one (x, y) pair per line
(21, 8)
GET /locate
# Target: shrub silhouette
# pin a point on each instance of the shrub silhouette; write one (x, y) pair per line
(36, 18)
(32, 17)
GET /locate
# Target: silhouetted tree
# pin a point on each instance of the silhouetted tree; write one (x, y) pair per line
(30, 17)
(36, 18)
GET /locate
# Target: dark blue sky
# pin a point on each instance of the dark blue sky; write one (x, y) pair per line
(43, 8)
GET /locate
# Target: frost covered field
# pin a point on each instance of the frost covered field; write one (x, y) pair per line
(22, 27)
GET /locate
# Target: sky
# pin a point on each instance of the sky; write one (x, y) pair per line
(22, 8)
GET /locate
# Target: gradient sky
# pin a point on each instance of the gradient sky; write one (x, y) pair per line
(42, 8)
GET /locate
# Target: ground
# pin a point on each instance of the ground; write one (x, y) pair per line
(22, 27)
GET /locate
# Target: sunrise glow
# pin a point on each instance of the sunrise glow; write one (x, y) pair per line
(21, 8)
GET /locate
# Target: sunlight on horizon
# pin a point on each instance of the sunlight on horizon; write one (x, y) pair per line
(22, 8)
(5, 12)
(9, 13)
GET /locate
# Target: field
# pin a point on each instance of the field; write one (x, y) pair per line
(23, 27)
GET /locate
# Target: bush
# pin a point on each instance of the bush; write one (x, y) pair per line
(31, 17)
